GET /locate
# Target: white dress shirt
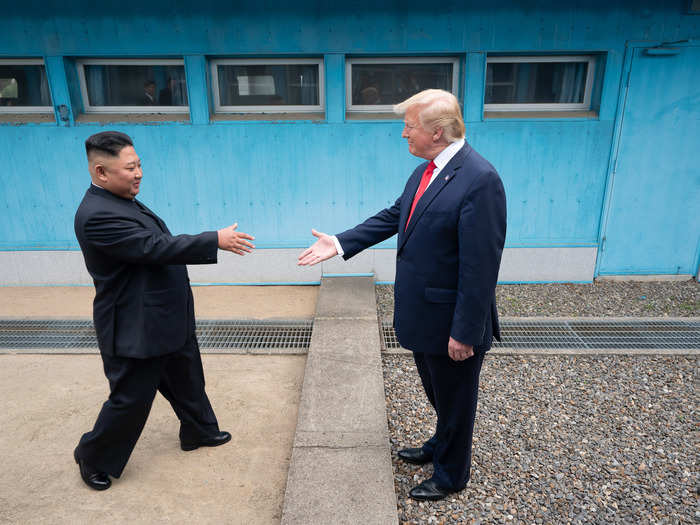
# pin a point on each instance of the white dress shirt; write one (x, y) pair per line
(440, 161)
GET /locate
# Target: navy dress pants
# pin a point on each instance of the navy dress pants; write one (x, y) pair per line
(133, 384)
(452, 388)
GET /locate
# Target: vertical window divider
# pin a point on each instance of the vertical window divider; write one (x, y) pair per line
(197, 91)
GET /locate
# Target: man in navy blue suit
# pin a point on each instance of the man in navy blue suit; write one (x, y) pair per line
(451, 225)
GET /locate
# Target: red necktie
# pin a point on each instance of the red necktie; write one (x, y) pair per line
(424, 181)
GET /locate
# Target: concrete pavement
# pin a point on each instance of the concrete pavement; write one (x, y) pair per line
(340, 470)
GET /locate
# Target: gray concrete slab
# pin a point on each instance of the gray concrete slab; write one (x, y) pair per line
(347, 297)
(341, 338)
(340, 470)
(340, 396)
(356, 486)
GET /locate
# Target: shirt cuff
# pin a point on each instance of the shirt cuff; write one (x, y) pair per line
(338, 247)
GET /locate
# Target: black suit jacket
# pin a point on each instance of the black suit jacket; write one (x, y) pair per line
(143, 304)
(448, 258)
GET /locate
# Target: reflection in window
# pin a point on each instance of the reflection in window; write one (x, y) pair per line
(134, 87)
(24, 86)
(260, 85)
(382, 84)
(376, 84)
(538, 82)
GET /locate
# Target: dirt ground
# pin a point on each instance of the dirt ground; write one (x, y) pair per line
(48, 401)
(211, 302)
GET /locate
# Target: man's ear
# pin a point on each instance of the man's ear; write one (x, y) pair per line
(100, 171)
(437, 134)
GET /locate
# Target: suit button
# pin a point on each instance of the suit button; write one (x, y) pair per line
(398, 257)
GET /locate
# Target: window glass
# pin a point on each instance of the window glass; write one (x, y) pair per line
(135, 85)
(536, 82)
(23, 85)
(268, 84)
(381, 84)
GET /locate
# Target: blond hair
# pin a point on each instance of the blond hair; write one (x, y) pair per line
(440, 109)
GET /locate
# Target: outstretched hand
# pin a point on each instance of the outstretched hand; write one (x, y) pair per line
(322, 249)
(236, 242)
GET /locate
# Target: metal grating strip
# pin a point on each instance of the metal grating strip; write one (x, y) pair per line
(586, 334)
(212, 334)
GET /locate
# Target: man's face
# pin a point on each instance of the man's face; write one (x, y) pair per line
(120, 175)
(420, 140)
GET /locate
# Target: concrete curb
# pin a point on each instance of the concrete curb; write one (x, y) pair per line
(590, 352)
(340, 470)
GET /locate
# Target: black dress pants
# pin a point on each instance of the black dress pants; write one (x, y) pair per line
(452, 388)
(133, 384)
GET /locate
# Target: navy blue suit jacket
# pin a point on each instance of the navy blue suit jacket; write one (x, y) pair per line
(447, 260)
(143, 303)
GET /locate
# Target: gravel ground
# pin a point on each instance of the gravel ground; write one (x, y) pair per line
(601, 299)
(562, 439)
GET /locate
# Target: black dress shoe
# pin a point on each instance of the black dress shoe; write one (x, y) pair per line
(428, 491)
(211, 441)
(415, 455)
(93, 478)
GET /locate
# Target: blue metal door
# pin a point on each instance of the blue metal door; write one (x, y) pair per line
(652, 224)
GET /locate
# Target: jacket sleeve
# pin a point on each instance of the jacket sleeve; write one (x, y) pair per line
(128, 240)
(481, 237)
(372, 231)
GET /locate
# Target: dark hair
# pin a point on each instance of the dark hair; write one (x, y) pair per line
(109, 142)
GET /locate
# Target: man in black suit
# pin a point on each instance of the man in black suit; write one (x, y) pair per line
(451, 225)
(143, 311)
(149, 93)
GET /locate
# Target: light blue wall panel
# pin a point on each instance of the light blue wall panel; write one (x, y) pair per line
(275, 181)
(553, 173)
(279, 179)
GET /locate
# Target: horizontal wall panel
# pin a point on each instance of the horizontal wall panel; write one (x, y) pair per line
(309, 26)
(279, 180)
(24, 268)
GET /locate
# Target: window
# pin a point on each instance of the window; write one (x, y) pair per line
(376, 84)
(267, 85)
(133, 86)
(24, 87)
(539, 83)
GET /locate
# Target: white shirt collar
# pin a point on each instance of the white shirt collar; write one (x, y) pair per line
(446, 155)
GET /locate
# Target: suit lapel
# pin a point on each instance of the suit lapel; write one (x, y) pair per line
(449, 172)
(152, 215)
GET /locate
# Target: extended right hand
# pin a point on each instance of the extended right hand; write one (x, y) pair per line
(233, 241)
(322, 249)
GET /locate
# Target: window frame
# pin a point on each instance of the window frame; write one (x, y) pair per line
(27, 110)
(547, 106)
(87, 108)
(389, 108)
(226, 109)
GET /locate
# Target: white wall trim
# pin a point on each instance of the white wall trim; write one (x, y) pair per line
(31, 268)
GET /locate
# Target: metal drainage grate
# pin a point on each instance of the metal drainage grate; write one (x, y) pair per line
(212, 335)
(587, 334)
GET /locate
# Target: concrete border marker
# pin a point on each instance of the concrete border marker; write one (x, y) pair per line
(340, 470)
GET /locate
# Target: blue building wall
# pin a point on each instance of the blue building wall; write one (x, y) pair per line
(279, 179)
